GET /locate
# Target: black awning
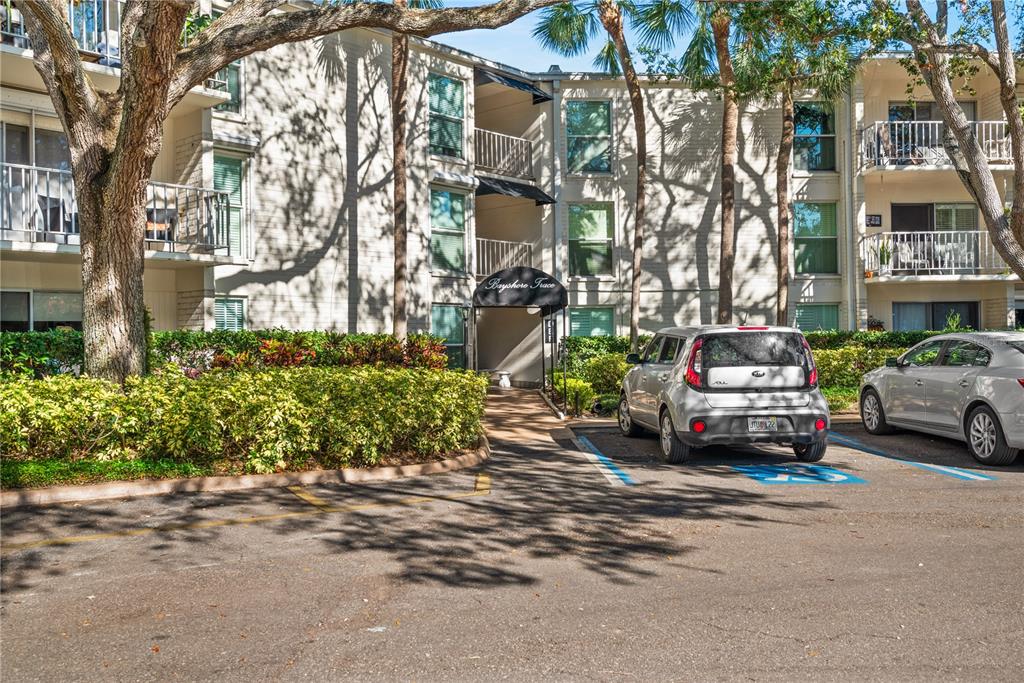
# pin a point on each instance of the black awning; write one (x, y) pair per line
(483, 77)
(521, 286)
(512, 189)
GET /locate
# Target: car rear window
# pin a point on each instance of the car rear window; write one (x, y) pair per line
(738, 349)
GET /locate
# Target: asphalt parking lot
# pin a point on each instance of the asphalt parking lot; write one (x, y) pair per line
(548, 562)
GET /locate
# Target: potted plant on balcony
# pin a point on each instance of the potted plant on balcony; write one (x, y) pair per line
(885, 258)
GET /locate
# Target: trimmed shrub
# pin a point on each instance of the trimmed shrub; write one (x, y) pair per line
(37, 354)
(579, 350)
(257, 421)
(837, 339)
(577, 393)
(844, 367)
(605, 372)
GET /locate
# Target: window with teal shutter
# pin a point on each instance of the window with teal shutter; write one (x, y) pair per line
(588, 136)
(817, 316)
(591, 322)
(591, 233)
(229, 314)
(814, 141)
(446, 322)
(447, 111)
(447, 231)
(815, 240)
(231, 75)
(228, 174)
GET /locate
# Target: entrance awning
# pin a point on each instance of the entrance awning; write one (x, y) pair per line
(521, 286)
(512, 189)
(482, 77)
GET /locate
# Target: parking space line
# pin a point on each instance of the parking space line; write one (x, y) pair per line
(955, 472)
(308, 497)
(611, 471)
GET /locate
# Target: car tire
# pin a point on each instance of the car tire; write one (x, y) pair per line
(810, 452)
(673, 451)
(985, 438)
(872, 415)
(626, 424)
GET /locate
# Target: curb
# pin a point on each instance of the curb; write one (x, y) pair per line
(558, 413)
(158, 487)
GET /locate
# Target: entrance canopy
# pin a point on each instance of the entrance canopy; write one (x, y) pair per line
(521, 286)
(482, 77)
(490, 185)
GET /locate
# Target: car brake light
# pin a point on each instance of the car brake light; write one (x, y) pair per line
(693, 366)
(819, 424)
(747, 327)
(812, 376)
(699, 426)
(1021, 381)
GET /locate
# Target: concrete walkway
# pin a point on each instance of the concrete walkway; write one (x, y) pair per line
(521, 416)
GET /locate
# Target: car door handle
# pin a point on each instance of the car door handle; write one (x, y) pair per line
(663, 377)
(964, 383)
(919, 382)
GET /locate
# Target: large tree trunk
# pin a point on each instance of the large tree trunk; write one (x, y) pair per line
(782, 173)
(611, 18)
(720, 24)
(399, 121)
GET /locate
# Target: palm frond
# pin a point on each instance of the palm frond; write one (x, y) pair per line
(607, 59)
(658, 23)
(567, 28)
(699, 66)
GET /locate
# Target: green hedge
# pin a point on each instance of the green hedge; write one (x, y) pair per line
(579, 350)
(41, 354)
(837, 339)
(256, 421)
(844, 367)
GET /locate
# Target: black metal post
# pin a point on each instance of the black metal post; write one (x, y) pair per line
(543, 365)
(565, 368)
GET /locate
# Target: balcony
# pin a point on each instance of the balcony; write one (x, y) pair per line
(494, 255)
(939, 253)
(503, 154)
(919, 143)
(37, 207)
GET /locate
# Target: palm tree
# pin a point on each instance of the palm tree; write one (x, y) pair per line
(399, 132)
(567, 29)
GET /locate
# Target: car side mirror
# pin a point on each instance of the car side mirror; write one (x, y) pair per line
(892, 363)
(633, 358)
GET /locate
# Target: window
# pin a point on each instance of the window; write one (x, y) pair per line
(817, 316)
(924, 111)
(588, 136)
(229, 313)
(52, 150)
(815, 241)
(231, 76)
(925, 354)
(933, 315)
(965, 354)
(16, 145)
(447, 231)
(33, 146)
(956, 217)
(228, 177)
(814, 144)
(669, 350)
(591, 232)
(653, 348)
(39, 311)
(591, 322)
(447, 322)
(447, 107)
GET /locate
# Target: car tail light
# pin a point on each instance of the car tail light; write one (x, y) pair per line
(819, 424)
(693, 366)
(699, 426)
(812, 376)
(1021, 381)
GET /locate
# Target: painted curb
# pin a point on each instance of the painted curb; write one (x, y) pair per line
(159, 487)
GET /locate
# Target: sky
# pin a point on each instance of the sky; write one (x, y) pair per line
(514, 44)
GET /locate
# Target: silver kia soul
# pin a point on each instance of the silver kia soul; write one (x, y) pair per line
(717, 384)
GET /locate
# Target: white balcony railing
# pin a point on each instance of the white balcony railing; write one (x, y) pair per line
(911, 143)
(38, 205)
(943, 252)
(503, 154)
(494, 255)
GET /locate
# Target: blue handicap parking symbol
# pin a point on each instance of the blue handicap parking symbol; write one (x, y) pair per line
(797, 474)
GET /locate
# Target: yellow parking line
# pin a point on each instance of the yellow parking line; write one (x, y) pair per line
(482, 487)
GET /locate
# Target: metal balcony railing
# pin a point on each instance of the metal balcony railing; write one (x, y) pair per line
(941, 252)
(503, 154)
(494, 255)
(38, 205)
(911, 143)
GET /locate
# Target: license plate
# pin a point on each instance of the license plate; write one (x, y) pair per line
(762, 424)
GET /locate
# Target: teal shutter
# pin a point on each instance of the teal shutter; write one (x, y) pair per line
(229, 314)
(227, 177)
(446, 322)
(447, 231)
(817, 316)
(591, 322)
(447, 111)
(232, 76)
(815, 240)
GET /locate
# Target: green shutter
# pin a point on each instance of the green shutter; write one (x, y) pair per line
(232, 76)
(815, 243)
(446, 96)
(447, 109)
(447, 322)
(817, 316)
(448, 231)
(229, 314)
(227, 177)
(591, 322)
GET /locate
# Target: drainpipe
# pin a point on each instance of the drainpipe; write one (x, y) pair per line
(851, 216)
(556, 172)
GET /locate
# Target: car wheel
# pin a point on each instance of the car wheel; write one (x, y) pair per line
(673, 451)
(985, 438)
(872, 415)
(810, 452)
(626, 424)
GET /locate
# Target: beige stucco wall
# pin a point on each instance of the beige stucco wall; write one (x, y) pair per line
(994, 298)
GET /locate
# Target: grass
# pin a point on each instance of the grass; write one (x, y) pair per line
(840, 398)
(53, 471)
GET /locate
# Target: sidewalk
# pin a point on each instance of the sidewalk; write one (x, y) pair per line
(520, 416)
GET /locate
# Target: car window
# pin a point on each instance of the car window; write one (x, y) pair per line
(744, 349)
(652, 349)
(925, 354)
(965, 354)
(669, 350)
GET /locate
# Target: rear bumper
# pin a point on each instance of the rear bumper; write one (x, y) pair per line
(732, 429)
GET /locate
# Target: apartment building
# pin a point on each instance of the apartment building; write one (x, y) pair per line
(271, 200)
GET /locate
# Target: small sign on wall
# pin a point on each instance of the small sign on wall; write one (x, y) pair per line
(549, 330)
(873, 220)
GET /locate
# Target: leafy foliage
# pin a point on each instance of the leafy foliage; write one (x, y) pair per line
(577, 393)
(837, 339)
(605, 372)
(844, 367)
(579, 350)
(256, 421)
